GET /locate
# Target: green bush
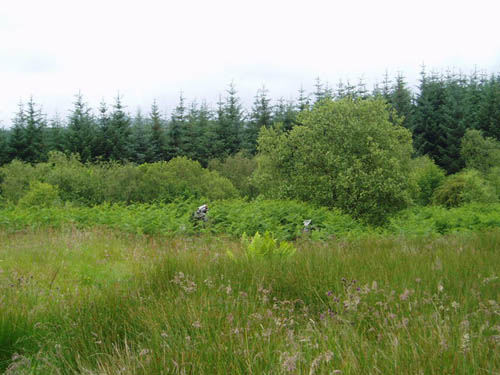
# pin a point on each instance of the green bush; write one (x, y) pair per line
(40, 194)
(238, 169)
(425, 177)
(479, 152)
(464, 187)
(114, 182)
(15, 180)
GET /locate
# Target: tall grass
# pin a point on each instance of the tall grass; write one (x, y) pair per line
(95, 301)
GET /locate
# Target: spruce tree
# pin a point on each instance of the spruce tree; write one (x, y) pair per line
(56, 135)
(4, 147)
(27, 141)
(119, 133)
(489, 110)
(260, 116)
(400, 99)
(103, 145)
(81, 132)
(175, 129)
(234, 117)
(303, 101)
(158, 141)
(140, 139)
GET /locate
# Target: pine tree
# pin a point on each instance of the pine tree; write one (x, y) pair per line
(27, 141)
(103, 145)
(158, 141)
(285, 113)
(234, 116)
(4, 147)
(81, 132)
(175, 129)
(400, 99)
(303, 101)
(17, 139)
(56, 135)
(140, 139)
(260, 116)
(119, 133)
(489, 110)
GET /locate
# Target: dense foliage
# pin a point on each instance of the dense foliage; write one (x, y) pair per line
(346, 154)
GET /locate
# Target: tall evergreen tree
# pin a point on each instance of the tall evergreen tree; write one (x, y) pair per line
(27, 141)
(303, 101)
(175, 129)
(119, 132)
(158, 141)
(103, 145)
(285, 113)
(400, 99)
(260, 116)
(489, 110)
(234, 118)
(56, 135)
(140, 139)
(4, 147)
(82, 131)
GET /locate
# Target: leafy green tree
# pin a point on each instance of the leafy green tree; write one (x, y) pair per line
(81, 132)
(347, 154)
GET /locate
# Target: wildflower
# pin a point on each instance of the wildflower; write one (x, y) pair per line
(440, 288)
(197, 324)
(404, 296)
(329, 293)
(455, 305)
(465, 345)
(289, 362)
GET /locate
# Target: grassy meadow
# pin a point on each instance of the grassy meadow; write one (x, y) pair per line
(90, 299)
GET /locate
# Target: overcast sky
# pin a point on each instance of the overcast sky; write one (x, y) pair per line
(149, 49)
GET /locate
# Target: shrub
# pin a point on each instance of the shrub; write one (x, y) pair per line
(15, 179)
(425, 177)
(480, 153)
(464, 187)
(40, 194)
(238, 169)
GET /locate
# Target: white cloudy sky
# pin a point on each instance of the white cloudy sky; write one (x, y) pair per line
(149, 49)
